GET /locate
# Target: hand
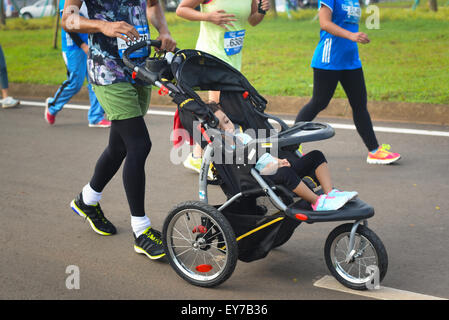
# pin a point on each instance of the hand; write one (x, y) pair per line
(283, 163)
(168, 43)
(360, 37)
(120, 29)
(85, 48)
(265, 5)
(220, 18)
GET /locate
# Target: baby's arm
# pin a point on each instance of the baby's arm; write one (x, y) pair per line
(267, 164)
(283, 163)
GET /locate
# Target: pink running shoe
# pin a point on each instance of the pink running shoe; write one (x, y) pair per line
(48, 116)
(383, 156)
(102, 124)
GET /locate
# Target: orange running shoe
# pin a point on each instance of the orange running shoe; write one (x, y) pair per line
(383, 156)
(101, 124)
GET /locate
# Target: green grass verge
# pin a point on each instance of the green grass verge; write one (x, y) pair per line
(407, 59)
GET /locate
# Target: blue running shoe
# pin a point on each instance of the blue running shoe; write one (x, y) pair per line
(329, 203)
(348, 194)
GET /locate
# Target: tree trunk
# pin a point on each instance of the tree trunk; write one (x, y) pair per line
(163, 4)
(55, 37)
(273, 7)
(2, 13)
(433, 5)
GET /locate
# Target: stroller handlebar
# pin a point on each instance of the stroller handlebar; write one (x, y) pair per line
(141, 72)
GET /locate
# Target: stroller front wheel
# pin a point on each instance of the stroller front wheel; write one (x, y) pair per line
(200, 244)
(367, 264)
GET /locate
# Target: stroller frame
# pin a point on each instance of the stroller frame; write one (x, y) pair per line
(216, 233)
(269, 191)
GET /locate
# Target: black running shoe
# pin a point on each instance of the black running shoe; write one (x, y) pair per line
(94, 215)
(149, 243)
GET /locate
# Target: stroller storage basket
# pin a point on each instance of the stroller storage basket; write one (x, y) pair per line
(257, 235)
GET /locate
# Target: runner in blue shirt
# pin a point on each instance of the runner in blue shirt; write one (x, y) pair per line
(336, 59)
(74, 52)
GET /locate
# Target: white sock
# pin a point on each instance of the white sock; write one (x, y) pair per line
(90, 196)
(140, 224)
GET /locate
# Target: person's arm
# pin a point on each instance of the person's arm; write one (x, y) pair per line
(72, 21)
(268, 164)
(78, 41)
(255, 17)
(186, 10)
(327, 25)
(156, 15)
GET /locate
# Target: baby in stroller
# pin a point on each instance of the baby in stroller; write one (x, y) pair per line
(290, 171)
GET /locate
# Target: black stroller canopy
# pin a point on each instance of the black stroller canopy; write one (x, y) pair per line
(198, 70)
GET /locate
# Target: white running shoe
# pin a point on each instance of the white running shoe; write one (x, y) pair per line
(9, 102)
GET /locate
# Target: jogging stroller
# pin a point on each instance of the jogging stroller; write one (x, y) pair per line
(203, 242)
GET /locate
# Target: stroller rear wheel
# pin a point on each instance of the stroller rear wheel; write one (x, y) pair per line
(364, 267)
(200, 244)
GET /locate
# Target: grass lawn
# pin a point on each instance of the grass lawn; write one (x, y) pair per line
(407, 59)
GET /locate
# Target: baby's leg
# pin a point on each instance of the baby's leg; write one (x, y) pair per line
(287, 177)
(324, 177)
(304, 192)
(313, 162)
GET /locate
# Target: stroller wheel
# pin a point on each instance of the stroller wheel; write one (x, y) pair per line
(367, 264)
(200, 244)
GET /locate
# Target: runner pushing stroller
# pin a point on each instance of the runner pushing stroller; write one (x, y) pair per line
(204, 242)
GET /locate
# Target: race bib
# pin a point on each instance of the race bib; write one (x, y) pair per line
(144, 33)
(233, 41)
(353, 11)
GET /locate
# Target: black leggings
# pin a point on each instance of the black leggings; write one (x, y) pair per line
(290, 177)
(353, 82)
(128, 138)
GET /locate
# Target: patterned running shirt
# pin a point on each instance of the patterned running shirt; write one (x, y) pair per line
(104, 62)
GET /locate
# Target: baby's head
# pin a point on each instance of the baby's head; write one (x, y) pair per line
(224, 123)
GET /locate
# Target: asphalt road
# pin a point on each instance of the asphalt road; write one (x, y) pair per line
(42, 168)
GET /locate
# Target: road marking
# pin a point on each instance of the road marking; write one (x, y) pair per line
(387, 129)
(289, 122)
(384, 293)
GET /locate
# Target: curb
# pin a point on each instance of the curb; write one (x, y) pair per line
(425, 113)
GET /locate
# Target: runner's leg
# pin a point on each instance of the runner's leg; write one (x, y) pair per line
(110, 160)
(128, 138)
(76, 63)
(324, 85)
(353, 83)
(3, 75)
(96, 112)
(138, 145)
